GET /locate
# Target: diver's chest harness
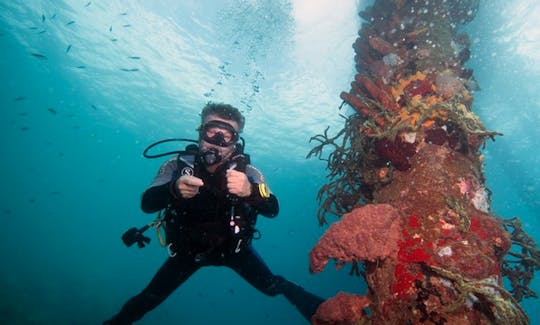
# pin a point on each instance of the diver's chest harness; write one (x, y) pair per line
(214, 221)
(234, 220)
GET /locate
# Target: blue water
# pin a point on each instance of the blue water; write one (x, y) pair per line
(120, 76)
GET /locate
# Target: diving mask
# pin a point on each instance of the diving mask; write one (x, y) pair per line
(218, 133)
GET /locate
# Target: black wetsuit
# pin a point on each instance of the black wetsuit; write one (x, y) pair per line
(200, 234)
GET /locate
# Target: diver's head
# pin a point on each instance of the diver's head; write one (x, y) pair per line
(219, 133)
(224, 112)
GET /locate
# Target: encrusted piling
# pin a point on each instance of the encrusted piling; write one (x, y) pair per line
(406, 178)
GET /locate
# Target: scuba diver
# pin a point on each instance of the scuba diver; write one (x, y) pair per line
(210, 196)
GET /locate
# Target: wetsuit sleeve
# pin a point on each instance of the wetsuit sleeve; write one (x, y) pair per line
(161, 192)
(265, 202)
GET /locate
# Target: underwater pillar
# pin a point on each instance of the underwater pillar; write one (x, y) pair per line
(406, 178)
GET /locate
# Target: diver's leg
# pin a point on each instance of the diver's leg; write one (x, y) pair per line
(170, 276)
(250, 266)
(306, 302)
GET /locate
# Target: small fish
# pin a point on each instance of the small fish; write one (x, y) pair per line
(42, 18)
(88, 4)
(43, 31)
(81, 67)
(53, 16)
(39, 56)
(24, 128)
(68, 48)
(52, 111)
(134, 57)
(19, 98)
(33, 28)
(23, 114)
(130, 70)
(110, 29)
(71, 22)
(126, 25)
(93, 106)
(114, 39)
(123, 14)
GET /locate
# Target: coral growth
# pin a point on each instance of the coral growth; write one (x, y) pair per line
(405, 175)
(367, 233)
(344, 308)
(448, 85)
(397, 152)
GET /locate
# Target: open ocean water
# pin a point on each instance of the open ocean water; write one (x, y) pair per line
(87, 85)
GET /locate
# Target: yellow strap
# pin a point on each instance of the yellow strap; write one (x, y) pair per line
(157, 224)
(264, 191)
(162, 242)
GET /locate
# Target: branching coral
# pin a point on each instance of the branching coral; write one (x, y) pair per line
(503, 307)
(345, 163)
(520, 266)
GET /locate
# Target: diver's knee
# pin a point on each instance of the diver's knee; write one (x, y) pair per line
(275, 286)
(151, 299)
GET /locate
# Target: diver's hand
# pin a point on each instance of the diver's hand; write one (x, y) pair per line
(238, 183)
(188, 186)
